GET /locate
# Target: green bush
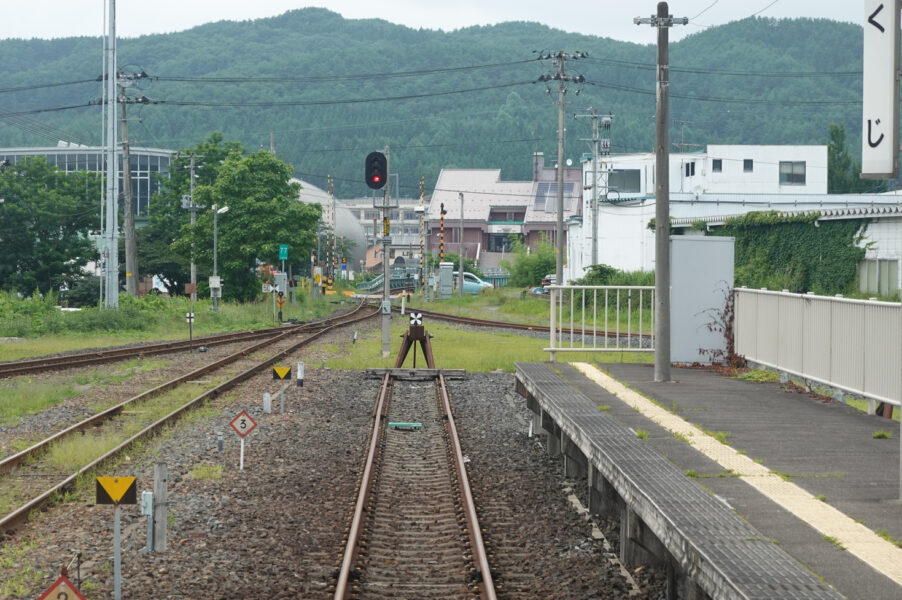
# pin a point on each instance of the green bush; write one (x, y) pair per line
(529, 266)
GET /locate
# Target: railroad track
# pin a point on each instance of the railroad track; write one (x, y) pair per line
(40, 473)
(94, 357)
(414, 532)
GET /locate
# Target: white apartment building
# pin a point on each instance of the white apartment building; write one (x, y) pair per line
(704, 186)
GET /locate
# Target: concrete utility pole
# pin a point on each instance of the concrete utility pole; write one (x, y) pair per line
(192, 207)
(559, 60)
(599, 147)
(461, 274)
(111, 227)
(663, 21)
(131, 243)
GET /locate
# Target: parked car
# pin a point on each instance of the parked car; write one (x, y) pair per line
(549, 279)
(472, 283)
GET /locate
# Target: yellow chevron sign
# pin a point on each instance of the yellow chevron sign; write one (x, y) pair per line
(281, 372)
(116, 490)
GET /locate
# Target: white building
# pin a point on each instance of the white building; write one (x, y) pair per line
(704, 187)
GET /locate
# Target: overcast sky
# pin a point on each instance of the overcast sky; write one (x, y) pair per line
(607, 18)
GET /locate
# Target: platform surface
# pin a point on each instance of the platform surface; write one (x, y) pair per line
(805, 473)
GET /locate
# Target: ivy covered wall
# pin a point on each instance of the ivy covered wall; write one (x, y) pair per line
(797, 253)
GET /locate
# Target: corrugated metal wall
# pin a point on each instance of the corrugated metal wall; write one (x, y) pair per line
(855, 345)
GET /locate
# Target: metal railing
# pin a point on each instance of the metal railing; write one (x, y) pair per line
(851, 345)
(601, 318)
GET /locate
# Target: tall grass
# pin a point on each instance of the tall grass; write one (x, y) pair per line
(41, 328)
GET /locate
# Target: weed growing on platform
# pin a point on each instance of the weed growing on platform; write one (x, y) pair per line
(882, 435)
(760, 376)
(641, 434)
(883, 533)
(834, 541)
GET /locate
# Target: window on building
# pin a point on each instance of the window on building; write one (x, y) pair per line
(690, 169)
(625, 181)
(717, 165)
(878, 276)
(748, 165)
(792, 172)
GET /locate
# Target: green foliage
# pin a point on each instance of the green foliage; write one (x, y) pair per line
(529, 266)
(459, 129)
(45, 218)
(843, 173)
(263, 213)
(798, 253)
(608, 275)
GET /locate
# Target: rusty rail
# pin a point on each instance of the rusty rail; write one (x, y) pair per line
(18, 515)
(352, 545)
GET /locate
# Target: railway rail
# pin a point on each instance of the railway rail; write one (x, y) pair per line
(33, 454)
(414, 532)
(94, 357)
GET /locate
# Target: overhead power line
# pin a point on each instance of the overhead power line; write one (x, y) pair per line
(633, 90)
(321, 78)
(334, 101)
(40, 86)
(707, 71)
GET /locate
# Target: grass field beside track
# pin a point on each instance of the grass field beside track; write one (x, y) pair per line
(463, 348)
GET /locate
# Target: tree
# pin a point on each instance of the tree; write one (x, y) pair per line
(45, 220)
(167, 216)
(264, 212)
(531, 265)
(843, 173)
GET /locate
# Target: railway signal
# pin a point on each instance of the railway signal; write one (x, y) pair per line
(416, 318)
(376, 170)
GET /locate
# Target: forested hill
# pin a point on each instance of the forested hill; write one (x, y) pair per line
(466, 98)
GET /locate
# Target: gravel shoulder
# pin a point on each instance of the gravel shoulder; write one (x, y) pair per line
(275, 529)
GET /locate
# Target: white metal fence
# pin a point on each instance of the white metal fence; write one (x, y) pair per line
(852, 345)
(587, 318)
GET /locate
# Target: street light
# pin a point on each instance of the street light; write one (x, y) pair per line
(214, 281)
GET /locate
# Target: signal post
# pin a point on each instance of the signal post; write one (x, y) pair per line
(376, 176)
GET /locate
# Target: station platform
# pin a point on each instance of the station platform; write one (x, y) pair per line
(808, 475)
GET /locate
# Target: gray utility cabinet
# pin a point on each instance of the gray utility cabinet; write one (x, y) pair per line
(701, 281)
(445, 280)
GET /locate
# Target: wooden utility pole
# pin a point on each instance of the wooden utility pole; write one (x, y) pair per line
(663, 21)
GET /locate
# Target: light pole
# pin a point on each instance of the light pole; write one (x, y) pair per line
(215, 289)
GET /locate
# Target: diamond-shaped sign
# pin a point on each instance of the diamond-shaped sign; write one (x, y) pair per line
(116, 490)
(243, 424)
(62, 589)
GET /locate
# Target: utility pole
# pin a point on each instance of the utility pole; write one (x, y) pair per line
(192, 208)
(663, 21)
(559, 60)
(461, 274)
(131, 244)
(600, 147)
(422, 211)
(111, 226)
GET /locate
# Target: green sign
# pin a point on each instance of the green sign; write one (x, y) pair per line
(283, 251)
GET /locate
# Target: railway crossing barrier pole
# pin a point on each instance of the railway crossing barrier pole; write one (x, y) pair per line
(160, 506)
